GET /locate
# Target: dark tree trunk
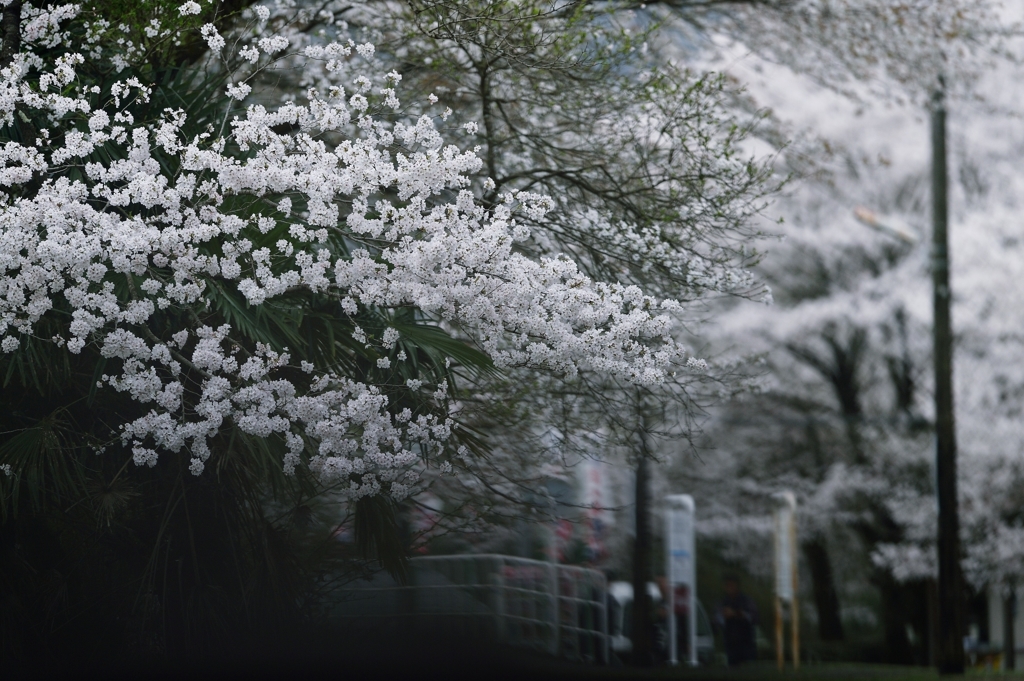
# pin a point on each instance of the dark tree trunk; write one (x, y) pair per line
(643, 617)
(932, 595)
(10, 31)
(896, 645)
(1009, 633)
(11, 24)
(826, 601)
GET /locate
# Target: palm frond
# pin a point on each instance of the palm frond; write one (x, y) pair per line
(42, 464)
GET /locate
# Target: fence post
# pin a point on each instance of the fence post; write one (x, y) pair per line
(499, 603)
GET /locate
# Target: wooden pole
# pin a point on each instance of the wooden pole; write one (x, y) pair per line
(779, 638)
(780, 655)
(794, 608)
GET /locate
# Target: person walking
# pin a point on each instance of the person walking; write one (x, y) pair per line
(737, 618)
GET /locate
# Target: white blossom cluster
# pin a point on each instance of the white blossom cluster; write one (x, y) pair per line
(371, 213)
(876, 44)
(696, 249)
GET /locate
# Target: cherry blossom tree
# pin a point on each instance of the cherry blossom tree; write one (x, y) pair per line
(645, 165)
(225, 293)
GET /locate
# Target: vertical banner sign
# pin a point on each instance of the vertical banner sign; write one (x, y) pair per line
(681, 576)
(784, 518)
(596, 499)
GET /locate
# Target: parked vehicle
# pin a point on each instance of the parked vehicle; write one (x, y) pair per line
(620, 623)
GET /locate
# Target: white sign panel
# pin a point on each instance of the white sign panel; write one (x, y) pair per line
(680, 545)
(785, 551)
(682, 574)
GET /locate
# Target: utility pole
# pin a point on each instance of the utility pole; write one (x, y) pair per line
(950, 596)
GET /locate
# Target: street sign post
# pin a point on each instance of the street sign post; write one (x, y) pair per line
(681, 574)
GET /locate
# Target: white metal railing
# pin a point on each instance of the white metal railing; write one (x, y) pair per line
(556, 609)
(583, 614)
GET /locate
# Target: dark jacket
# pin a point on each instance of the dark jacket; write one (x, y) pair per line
(738, 630)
